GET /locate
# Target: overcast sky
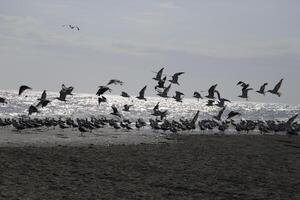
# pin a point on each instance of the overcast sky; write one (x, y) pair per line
(219, 41)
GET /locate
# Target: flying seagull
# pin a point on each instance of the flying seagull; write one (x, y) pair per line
(197, 95)
(44, 96)
(124, 94)
(178, 96)
(232, 114)
(211, 92)
(23, 88)
(115, 82)
(164, 93)
(158, 75)
(262, 89)
(32, 109)
(115, 111)
(221, 102)
(174, 79)
(43, 103)
(127, 107)
(102, 99)
(218, 117)
(276, 88)
(161, 83)
(102, 90)
(245, 91)
(142, 94)
(67, 90)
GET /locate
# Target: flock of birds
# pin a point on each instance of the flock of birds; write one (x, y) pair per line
(160, 122)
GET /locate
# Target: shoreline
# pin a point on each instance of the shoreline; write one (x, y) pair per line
(190, 167)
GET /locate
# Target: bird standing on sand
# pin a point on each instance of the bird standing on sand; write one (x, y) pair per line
(174, 79)
(262, 89)
(142, 93)
(23, 88)
(276, 88)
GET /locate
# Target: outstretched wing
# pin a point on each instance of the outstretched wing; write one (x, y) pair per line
(278, 85)
(142, 92)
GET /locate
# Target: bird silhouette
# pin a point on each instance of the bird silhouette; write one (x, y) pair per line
(211, 92)
(178, 96)
(23, 88)
(164, 93)
(197, 95)
(3, 100)
(158, 75)
(124, 94)
(262, 89)
(175, 77)
(142, 93)
(276, 88)
(115, 111)
(32, 109)
(232, 114)
(102, 90)
(115, 82)
(218, 117)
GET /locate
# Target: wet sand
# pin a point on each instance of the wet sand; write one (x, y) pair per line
(187, 167)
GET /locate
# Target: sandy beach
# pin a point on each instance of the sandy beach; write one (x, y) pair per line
(179, 167)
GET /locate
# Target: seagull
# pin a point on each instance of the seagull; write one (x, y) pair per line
(23, 88)
(115, 111)
(161, 83)
(102, 90)
(221, 102)
(245, 91)
(142, 94)
(211, 92)
(241, 83)
(178, 96)
(175, 78)
(127, 107)
(276, 88)
(262, 89)
(3, 100)
(232, 114)
(164, 93)
(43, 103)
(67, 90)
(156, 107)
(44, 96)
(197, 95)
(101, 99)
(32, 109)
(124, 94)
(218, 117)
(115, 82)
(62, 95)
(158, 75)
(210, 102)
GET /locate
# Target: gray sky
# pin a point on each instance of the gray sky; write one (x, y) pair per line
(212, 41)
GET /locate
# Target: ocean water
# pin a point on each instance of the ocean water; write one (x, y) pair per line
(86, 105)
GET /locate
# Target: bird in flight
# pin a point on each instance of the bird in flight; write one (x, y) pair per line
(276, 88)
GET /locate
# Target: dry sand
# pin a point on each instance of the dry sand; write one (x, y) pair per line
(188, 167)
